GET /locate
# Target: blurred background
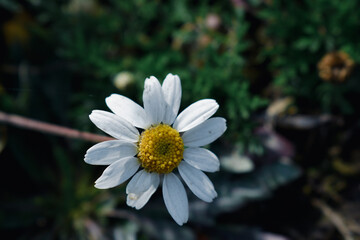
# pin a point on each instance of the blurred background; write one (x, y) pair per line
(285, 74)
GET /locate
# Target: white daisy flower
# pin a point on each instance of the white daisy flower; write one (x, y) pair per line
(167, 142)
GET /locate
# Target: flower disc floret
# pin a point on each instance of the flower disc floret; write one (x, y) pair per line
(160, 148)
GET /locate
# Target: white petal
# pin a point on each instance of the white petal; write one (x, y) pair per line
(154, 103)
(171, 88)
(141, 187)
(128, 110)
(195, 114)
(202, 159)
(175, 198)
(198, 182)
(205, 133)
(117, 173)
(107, 152)
(114, 125)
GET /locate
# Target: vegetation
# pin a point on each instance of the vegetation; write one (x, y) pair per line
(284, 73)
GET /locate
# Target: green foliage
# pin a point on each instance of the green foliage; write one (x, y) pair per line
(298, 34)
(111, 38)
(61, 59)
(72, 51)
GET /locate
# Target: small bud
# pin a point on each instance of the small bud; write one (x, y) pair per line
(335, 67)
(123, 79)
(213, 21)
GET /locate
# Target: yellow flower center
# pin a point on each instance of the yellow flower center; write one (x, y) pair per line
(160, 149)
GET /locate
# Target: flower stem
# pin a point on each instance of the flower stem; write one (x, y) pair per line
(23, 122)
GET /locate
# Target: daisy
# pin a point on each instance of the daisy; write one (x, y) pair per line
(165, 142)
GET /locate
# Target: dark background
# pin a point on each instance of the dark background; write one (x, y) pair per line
(290, 157)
